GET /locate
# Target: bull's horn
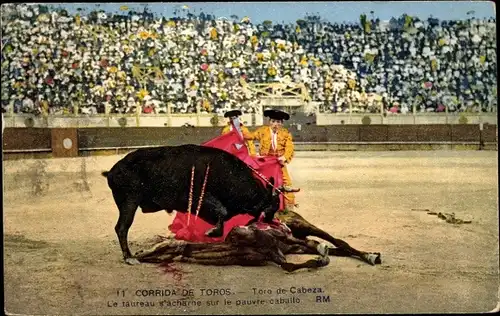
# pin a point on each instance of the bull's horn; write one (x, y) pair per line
(289, 189)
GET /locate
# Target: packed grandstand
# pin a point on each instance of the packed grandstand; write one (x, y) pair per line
(52, 61)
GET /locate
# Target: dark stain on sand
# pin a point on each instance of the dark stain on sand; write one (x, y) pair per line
(21, 242)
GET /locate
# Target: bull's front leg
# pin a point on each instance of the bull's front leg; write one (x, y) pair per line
(218, 230)
(212, 204)
(270, 211)
(269, 216)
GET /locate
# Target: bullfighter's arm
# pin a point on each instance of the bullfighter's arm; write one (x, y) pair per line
(250, 144)
(289, 148)
(257, 135)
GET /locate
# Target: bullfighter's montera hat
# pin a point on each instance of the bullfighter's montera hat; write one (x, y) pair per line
(276, 115)
(232, 113)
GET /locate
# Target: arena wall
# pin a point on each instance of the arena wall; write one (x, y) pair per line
(396, 119)
(32, 142)
(204, 120)
(132, 120)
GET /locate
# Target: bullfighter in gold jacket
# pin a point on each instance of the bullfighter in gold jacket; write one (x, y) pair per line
(234, 114)
(275, 140)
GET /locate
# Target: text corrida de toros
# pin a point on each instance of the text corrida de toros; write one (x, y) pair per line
(182, 292)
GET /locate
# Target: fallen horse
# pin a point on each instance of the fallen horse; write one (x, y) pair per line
(259, 243)
(154, 179)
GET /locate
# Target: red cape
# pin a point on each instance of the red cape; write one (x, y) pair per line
(233, 143)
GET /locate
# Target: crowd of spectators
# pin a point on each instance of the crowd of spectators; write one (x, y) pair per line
(55, 62)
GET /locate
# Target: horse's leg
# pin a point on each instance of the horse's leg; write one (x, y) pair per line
(279, 258)
(244, 256)
(274, 244)
(301, 229)
(306, 245)
(314, 247)
(161, 252)
(200, 253)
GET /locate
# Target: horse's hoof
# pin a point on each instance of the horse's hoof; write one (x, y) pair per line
(322, 249)
(323, 261)
(374, 258)
(132, 261)
(213, 232)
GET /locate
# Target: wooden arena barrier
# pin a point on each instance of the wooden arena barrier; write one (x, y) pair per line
(64, 142)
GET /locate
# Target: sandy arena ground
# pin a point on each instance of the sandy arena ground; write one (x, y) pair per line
(62, 256)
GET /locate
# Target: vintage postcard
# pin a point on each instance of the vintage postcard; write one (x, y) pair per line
(249, 158)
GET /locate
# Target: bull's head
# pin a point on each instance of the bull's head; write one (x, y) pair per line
(272, 201)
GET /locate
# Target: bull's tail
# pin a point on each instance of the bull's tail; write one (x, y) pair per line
(105, 173)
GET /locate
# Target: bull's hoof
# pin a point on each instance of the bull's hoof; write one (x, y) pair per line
(214, 232)
(323, 261)
(322, 249)
(132, 261)
(374, 258)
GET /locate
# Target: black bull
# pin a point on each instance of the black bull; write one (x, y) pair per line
(159, 179)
